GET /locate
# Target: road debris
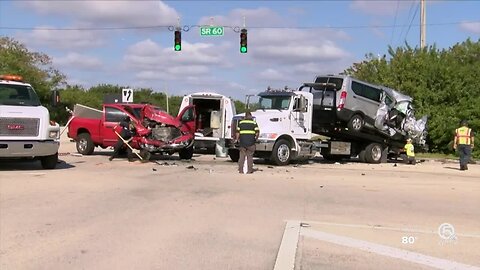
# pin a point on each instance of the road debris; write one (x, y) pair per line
(192, 167)
(76, 154)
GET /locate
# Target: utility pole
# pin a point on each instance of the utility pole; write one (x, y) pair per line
(423, 27)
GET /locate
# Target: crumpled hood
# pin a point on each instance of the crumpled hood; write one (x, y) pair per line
(160, 117)
(400, 118)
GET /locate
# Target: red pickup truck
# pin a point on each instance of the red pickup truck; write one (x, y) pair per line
(156, 130)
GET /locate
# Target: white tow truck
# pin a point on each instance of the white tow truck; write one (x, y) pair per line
(26, 130)
(285, 121)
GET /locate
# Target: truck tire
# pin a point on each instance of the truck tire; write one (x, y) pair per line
(361, 156)
(49, 162)
(356, 123)
(85, 144)
(281, 153)
(373, 153)
(186, 153)
(234, 154)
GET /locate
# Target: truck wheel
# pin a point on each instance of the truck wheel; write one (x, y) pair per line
(373, 153)
(281, 153)
(49, 162)
(186, 153)
(85, 144)
(361, 156)
(356, 123)
(234, 154)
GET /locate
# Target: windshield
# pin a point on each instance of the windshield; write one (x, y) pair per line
(18, 95)
(274, 102)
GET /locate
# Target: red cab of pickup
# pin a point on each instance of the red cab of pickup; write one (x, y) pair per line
(156, 130)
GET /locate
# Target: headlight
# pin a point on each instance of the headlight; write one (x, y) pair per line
(268, 135)
(53, 134)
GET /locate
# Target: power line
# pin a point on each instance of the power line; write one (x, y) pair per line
(394, 21)
(408, 18)
(187, 27)
(411, 22)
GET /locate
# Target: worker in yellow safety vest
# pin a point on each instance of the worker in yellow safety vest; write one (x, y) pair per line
(247, 134)
(410, 150)
(463, 142)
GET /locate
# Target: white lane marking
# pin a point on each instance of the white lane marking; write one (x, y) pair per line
(288, 247)
(379, 227)
(387, 251)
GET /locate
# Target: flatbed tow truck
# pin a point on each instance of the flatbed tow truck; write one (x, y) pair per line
(288, 132)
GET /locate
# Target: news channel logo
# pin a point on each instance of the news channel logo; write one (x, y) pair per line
(446, 231)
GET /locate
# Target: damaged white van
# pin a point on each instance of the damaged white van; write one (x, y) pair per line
(214, 115)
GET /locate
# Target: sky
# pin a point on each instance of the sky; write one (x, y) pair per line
(130, 43)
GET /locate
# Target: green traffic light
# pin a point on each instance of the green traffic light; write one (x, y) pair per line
(243, 49)
(178, 47)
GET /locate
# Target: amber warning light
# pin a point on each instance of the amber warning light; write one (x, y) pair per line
(11, 78)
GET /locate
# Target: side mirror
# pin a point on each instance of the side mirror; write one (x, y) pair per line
(300, 104)
(55, 97)
(303, 104)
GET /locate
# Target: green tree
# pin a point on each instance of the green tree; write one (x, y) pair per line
(35, 67)
(443, 83)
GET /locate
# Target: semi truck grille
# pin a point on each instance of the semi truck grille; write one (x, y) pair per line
(19, 126)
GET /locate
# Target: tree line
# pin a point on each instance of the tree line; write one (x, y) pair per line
(444, 84)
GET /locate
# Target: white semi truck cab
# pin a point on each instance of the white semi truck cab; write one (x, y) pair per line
(285, 121)
(26, 130)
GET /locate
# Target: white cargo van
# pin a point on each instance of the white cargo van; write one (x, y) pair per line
(214, 115)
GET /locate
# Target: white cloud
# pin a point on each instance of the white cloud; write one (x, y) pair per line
(473, 27)
(61, 39)
(153, 62)
(284, 56)
(385, 8)
(271, 74)
(117, 13)
(78, 61)
(259, 17)
(292, 46)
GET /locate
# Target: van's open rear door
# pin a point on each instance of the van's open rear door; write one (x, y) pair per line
(324, 104)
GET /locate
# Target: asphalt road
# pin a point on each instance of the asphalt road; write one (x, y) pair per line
(94, 214)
